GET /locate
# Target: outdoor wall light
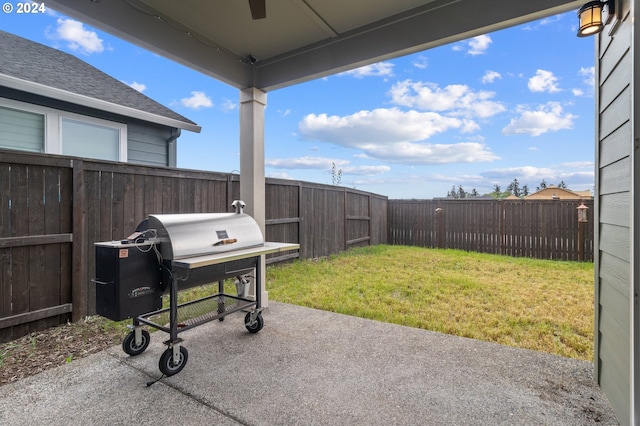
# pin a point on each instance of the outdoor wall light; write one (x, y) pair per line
(590, 16)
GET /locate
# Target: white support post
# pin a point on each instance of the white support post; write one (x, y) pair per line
(252, 182)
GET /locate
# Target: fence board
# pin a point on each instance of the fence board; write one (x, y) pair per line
(38, 201)
(539, 228)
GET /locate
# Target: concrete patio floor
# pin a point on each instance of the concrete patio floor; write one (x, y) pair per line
(310, 367)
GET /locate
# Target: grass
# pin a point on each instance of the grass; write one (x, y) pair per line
(534, 304)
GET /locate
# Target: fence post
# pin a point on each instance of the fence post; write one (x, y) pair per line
(79, 245)
(582, 220)
(346, 221)
(502, 226)
(440, 227)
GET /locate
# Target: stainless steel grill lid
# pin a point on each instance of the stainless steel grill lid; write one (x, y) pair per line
(199, 234)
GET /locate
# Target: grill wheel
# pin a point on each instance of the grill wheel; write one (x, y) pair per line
(129, 343)
(256, 325)
(166, 364)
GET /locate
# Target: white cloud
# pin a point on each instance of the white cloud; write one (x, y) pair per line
(321, 163)
(77, 37)
(524, 174)
(577, 92)
(374, 127)
(490, 76)
(551, 20)
(474, 46)
(589, 75)
(547, 118)
(421, 62)
(479, 45)
(381, 69)
(423, 153)
(365, 170)
(395, 135)
(228, 105)
(458, 99)
(197, 100)
(138, 86)
(280, 175)
(544, 81)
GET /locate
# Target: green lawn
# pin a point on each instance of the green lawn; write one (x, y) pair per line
(527, 303)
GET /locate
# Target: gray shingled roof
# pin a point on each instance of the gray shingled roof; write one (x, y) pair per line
(35, 63)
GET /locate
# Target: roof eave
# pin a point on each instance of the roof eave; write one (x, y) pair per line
(66, 96)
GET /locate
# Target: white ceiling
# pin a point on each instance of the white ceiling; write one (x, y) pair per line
(300, 39)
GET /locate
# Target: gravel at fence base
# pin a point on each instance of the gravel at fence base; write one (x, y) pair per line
(314, 367)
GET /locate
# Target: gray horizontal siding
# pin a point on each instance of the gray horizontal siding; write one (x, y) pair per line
(613, 265)
(616, 146)
(147, 144)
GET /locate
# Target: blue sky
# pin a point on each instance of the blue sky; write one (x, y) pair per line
(518, 103)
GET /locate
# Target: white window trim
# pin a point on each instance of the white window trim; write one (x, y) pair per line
(53, 125)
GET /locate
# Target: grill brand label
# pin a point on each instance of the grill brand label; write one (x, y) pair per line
(222, 234)
(140, 291)
(124, 253)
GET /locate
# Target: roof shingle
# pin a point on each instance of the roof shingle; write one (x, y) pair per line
(33, 62)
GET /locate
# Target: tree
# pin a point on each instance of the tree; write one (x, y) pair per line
(336, 174)
(474, 192)
(461, 192)
(525, 190)
(562, 185)
(514, 188)
(542, 185)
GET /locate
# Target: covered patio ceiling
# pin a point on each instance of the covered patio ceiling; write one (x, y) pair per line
(299, 40)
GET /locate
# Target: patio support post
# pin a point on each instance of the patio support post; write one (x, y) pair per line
(252, 182)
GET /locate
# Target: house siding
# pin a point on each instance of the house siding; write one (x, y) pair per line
(148, 144)
(613, 264)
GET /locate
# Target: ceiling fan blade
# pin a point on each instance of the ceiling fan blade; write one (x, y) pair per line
(258, 9)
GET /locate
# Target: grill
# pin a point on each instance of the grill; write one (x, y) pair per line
(172, 252)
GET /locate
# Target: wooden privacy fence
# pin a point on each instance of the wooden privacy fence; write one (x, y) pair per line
(539, 228)
(52, 210)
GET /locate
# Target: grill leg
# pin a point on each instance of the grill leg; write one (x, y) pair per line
(221, 307)
(258, 285)
(138, 335)
(173, 311)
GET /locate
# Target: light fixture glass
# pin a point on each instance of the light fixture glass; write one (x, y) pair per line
(590, 16)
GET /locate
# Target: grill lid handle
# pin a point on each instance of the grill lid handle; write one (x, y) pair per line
(239, 205)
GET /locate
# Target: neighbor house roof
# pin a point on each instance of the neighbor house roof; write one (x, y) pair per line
(32, 67)
(556, 193)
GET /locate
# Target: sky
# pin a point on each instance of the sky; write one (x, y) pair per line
(513, 104)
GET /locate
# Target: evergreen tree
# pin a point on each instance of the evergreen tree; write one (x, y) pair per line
(562, 185)
(336, 174)
(543, 185)
(514, 188)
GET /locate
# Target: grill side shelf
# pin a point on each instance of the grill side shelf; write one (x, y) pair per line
(212, 259)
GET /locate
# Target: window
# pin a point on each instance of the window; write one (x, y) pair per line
(21, 130)
(36, 128)
(90, 140)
